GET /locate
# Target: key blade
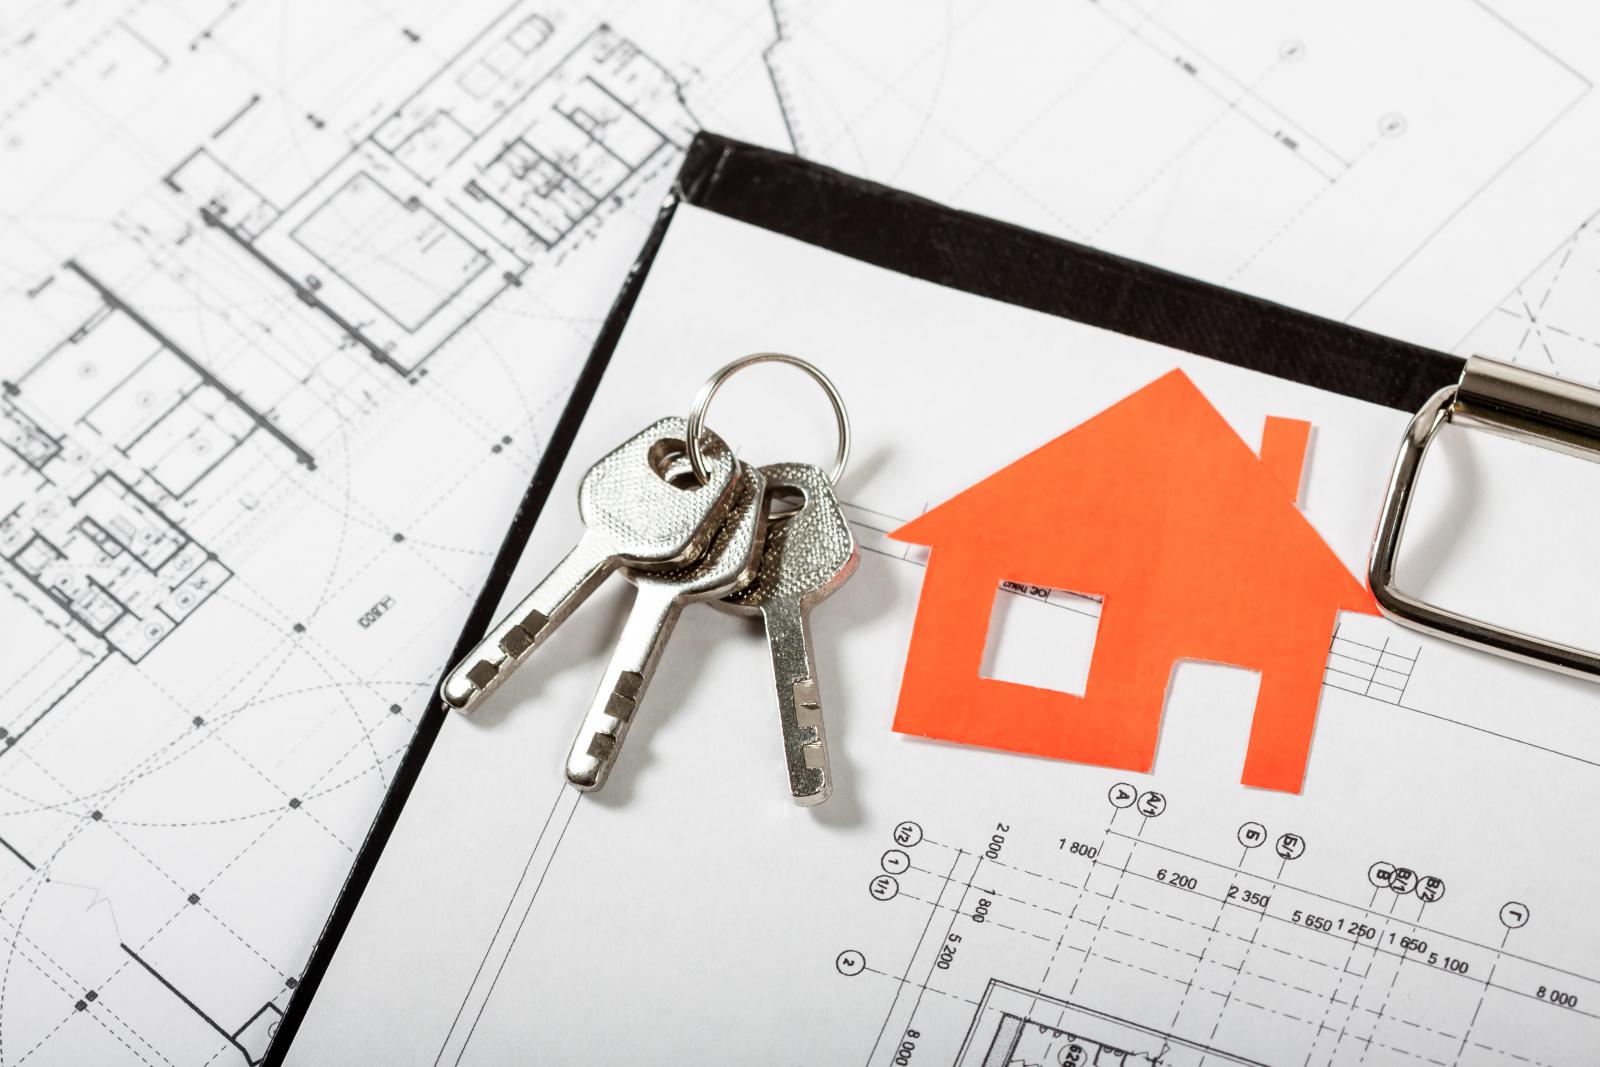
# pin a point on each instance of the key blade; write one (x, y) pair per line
(728, 563)
(528, 625)
(633, 663)
(807, 555)
(794, 676)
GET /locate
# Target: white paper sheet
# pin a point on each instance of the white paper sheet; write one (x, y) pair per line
(689, 913)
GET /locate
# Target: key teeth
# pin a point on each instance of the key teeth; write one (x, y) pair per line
(534, 624)
(482, 673)
(516, 641)
(624, 696)
(813, 785)
(590, 771)
(808, 723)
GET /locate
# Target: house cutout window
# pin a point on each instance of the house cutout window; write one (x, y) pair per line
(1041, 637)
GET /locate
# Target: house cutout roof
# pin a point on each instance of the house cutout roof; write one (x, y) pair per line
(1156, 493)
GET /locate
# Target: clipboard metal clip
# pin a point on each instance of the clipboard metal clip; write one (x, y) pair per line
(1521, 404)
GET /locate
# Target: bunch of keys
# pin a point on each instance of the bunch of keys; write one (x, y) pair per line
(685, 521)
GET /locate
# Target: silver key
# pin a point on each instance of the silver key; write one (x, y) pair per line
(640, 508)
(728, 564)
(807, 555)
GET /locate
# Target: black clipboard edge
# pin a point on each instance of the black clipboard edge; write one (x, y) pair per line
(924, 239)
(980, 255)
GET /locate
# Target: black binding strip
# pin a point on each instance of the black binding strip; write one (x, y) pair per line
(957, 249)
(911, 235)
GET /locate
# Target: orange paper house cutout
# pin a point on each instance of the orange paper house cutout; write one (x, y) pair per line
(1198, 551)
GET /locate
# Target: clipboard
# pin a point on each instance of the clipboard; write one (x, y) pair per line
(959, 250)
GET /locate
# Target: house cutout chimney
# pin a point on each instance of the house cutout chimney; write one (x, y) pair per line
(1283, 451)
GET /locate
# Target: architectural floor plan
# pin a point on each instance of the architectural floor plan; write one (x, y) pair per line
(293, 293)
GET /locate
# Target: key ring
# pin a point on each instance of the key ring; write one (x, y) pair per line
(702, 402)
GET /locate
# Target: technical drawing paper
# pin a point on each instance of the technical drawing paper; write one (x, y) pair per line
(1422, 900)
(292, 292)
